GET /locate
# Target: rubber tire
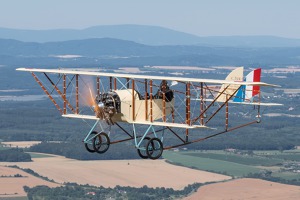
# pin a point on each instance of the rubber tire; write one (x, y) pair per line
(139, 150)
(103, 146)
(91, 149)
(151, 148)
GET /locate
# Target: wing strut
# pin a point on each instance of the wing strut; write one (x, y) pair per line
(212, 103)
(46, 91)
(188, 109)
(63, 95)
(227, 99)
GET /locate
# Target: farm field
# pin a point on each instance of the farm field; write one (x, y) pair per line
(246, 188)
(135, 173)
(209, 164)
(227, 169)
(22, 144)
(235, 158)
(240, 164)
(272, 164)
(11, 186)
(40, 155)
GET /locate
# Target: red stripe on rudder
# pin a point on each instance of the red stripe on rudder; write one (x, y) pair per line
(256, 78)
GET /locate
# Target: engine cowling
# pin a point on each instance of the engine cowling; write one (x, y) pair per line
(108, 104)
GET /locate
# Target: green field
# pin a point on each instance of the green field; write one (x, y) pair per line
(240, 159)
(208, 164)
(276, 152)
(287, 175)
(3, 148)
(39, 155)
(288, 155)
(14, 198)
(281, 165)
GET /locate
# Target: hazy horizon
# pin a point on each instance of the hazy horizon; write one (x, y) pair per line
(197, 17)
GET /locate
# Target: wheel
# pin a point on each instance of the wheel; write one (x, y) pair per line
(154, 148)
(142, 148)
(101, 143)
(89, 143)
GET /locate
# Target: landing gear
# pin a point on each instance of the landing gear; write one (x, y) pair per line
(142, 149)
(89, 143)
(101, 143)
(154, 148)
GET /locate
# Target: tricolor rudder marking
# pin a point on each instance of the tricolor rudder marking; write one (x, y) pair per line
(253, 76)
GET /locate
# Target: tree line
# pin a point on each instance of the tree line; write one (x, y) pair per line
(75, 191)
(14, 155)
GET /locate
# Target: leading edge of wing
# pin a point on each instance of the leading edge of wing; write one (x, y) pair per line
(134, 76)
(175, 125)
(168, 124)
(78, 116)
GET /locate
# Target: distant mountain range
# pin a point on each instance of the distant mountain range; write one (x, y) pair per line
(147, 35)
(116, 51)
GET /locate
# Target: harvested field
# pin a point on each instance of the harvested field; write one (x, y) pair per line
(13, 186)
(183, 68)
(280, 115)
(288, 69)
(246, 188)
(129, 70)
(135, 173)
(22, 144)
(291, 91)
(225, 67)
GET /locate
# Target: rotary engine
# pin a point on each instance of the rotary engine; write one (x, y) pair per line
(107, 105)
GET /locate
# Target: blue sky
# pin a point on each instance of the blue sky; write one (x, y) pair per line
(199, 17)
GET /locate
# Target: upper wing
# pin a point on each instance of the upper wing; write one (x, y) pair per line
(244, 103)
(89, 73)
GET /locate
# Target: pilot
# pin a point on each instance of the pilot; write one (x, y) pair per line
(164, 88)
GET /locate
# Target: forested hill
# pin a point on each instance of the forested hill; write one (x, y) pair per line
(13, 51)
(149, 35)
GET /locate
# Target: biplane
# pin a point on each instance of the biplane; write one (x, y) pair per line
(177, 106)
